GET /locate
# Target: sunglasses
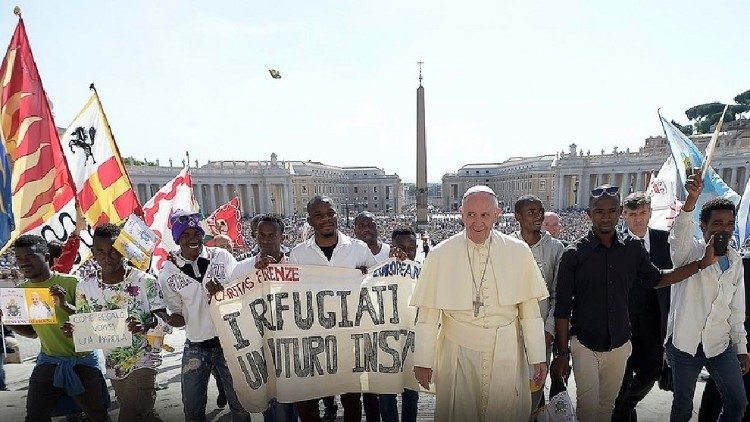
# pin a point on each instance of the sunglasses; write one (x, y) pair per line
(610, 191)
(185, 218)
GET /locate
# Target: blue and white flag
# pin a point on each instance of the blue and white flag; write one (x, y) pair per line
(7, 223)
(687, 156)
(743, 225)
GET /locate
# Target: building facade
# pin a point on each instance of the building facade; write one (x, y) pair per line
(280, 187)
(577, 173)
(510, 179)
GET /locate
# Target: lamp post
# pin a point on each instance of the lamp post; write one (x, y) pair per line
(575, 193)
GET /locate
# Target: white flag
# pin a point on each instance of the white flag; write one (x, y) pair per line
(743, 226)
(663, 192)
(175, 195)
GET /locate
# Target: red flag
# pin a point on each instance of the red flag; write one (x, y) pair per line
(175, 195)
(41, 179)
(227, 220)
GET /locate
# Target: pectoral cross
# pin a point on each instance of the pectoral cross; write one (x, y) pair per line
(478, 303)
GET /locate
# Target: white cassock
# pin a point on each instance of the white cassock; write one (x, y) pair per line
(480, 364)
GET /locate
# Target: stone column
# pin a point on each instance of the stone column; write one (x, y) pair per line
(264, 198)
(583, 190)
(639, 181)
(288, 200)
(558, 191)
(733, 179)
(421, 158)
(199, 197)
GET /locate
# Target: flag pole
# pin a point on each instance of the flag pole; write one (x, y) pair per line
(114, 145)
(712, 144)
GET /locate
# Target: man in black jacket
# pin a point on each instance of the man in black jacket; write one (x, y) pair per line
(648, 311)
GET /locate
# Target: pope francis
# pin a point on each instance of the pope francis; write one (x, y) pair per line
(479, 327)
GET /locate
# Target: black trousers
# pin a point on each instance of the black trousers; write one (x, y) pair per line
(43, 395)
(309, 410)
(644, 366)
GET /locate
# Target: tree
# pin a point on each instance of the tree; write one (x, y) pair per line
(743, 98)
(687, 129)
(132, 161)
(708, 114)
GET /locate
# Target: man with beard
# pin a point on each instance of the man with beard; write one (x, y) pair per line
(593, 280)
(648, 311)
(481, 289)
(329, 247)
(187, 282)
(529, 212)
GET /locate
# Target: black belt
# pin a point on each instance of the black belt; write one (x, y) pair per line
(206, 344)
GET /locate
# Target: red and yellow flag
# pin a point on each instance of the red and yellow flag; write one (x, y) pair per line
(41, 181)
(105, 194)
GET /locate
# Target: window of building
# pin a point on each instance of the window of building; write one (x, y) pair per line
(374, 189)
(356, 190)
(542, 185)
(374, 198)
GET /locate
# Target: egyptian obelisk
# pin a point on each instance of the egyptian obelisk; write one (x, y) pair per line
(421, 156)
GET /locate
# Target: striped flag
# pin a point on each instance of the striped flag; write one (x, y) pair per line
(104, 194)
(6, 198)
(41, 182)
(687, 156)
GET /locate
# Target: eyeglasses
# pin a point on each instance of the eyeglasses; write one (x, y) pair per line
(610, 191)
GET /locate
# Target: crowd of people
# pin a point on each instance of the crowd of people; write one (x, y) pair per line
(505, 301)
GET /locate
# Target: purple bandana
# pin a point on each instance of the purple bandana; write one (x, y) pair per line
(182, 220)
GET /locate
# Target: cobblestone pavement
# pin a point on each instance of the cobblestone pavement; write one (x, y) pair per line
(169, 404)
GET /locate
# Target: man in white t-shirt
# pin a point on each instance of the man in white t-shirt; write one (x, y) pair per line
(187, 280)
(269, 235)
(330, 247)
(366, 230)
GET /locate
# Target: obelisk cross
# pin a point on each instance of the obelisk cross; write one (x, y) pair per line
(420, 63)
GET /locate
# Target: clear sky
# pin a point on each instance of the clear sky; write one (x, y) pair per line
(502, 78)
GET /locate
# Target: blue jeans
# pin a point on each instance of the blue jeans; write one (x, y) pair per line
(197, 363)
(389, 410)
(2, 373)
(724, 369)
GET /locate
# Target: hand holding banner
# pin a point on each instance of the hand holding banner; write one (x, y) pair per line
(101, 330)
(297, 333)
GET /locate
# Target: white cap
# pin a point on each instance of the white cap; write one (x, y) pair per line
(477, 189)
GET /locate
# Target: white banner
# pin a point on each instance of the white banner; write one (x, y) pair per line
(101, 330)
(297, 333)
